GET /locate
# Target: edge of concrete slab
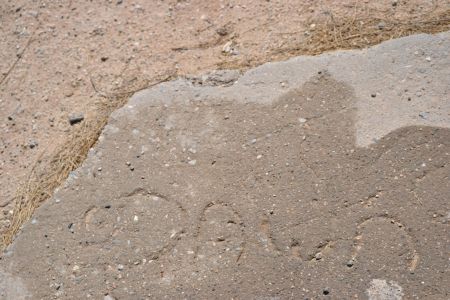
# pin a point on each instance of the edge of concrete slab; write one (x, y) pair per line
(401, 82)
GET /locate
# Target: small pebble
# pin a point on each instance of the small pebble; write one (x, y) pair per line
(423, 115)
(230, 48)
(350, 263)
(76, 118)
(68, 93)
(222, 31)
(33, 13)
(32, 144)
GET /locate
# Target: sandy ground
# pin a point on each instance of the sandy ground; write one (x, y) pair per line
(59, 58)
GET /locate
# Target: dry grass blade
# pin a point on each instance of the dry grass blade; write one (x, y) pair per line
(42, 182)
(357, 33)
(51, 173)
(346, 33)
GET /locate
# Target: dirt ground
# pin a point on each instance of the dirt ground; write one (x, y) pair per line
(59, 58)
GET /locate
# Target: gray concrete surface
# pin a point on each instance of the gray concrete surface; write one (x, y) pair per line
(318, 177)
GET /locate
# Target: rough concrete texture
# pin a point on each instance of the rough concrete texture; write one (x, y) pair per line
(318, 177)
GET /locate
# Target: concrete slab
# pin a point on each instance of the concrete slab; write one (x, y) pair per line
(317, 177)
